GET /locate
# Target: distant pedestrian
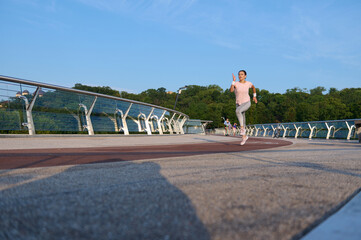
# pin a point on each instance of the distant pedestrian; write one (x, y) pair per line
(234, 129)
(243, 101)
(227, 127)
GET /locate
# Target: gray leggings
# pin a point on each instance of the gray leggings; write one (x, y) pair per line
(241, 112)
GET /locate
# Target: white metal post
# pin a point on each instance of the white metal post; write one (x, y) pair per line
(311, 130)
(257, 129)
(264, 131)
(252, 130)
(273, 131)
(247, 129)
(124, 126)
(151, 120)
(124, 120)
(88, 119)
(329, 128)
(89, 124)
(170, 125)
(117, 128)
(350, 128)
(28, 108)
(29, 117)
(284, 130)
(147, 127)
(139, 122)
(167, 124)
(159, 122)
(181, 124)
(297, 130)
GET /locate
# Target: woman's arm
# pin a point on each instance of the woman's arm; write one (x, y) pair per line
(254, 94)
(234, 81)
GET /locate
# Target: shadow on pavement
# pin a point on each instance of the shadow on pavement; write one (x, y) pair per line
(97, 201)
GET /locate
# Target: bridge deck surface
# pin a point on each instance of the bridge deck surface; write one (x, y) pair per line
(175, 187)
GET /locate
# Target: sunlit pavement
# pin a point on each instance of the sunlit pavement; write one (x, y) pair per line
(176, 187)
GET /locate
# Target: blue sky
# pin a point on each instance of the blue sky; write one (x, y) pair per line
(134, 45)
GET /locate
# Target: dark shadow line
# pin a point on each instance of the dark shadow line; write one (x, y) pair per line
(335, 144)
(304, 150)
(314, 166)
(214, 141)
(32, 163)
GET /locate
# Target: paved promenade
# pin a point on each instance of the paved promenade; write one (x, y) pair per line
(178, 187)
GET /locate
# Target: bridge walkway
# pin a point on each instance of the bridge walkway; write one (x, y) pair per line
(177, 187)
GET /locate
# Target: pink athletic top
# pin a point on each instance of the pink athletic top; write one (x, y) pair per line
(241, 91)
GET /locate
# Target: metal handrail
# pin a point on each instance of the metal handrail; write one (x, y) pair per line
(46, 85)
(288, 123)
(254, 129)
(297, 127)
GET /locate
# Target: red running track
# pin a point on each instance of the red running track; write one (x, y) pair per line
(29, 158)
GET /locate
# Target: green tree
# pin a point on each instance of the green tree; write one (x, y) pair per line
(103, 90)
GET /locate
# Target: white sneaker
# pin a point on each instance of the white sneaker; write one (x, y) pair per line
(244, 140)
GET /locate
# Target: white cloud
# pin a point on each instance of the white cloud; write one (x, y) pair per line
(49, 6)
(203, 20)
(141, 8)
(319, 33)
(293, 29)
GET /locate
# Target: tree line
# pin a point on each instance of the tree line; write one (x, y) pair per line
(213, 103)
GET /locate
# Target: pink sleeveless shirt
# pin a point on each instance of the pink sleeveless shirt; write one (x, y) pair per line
(241, 92)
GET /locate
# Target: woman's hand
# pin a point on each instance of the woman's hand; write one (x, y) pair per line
(233, 84)
(255, 99)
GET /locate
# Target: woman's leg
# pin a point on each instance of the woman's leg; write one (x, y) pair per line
(241, 114)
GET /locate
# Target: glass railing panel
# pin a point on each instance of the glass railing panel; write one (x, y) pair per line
(136, 117)
(338, 129)
(291, 130)
(193, 126)
(104, 105)
(87, 100)
(303, 129)
(132, 126)
(57, 122)
(353, 134)
(158, 112)
(61, 109)
(269, 130)
(304, 132)
(11, 119)
(58, 111)
(104, 115)
(139, 109)
(57, 101)
(12, 108)
(165, 121)
(8, 90)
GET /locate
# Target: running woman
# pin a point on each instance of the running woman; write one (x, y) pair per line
(243, 101)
